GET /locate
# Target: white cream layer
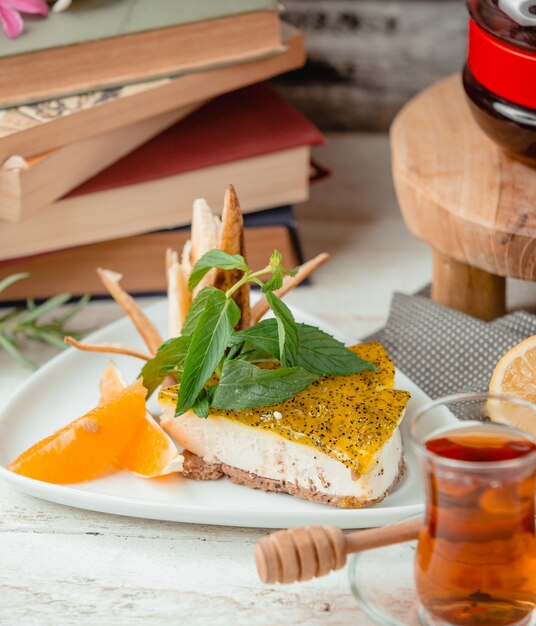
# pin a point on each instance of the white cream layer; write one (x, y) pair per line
(266, 454)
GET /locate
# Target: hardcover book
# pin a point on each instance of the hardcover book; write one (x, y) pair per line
(154, 186)
(108, 44)
(140, 259)
(27, 185)
(33, 129)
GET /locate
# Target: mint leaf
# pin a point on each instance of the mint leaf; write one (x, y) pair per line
(274, 283)
(321, 353)
(289, 342)
(209, 342)
(201, 406)
(169, 359)
(254, 355)
(246, 386)
(219, 259)
(196, 308)
(278, 271)
(275, 260)
(263, 336)
(318, 352)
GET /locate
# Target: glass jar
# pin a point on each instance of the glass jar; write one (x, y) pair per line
(500, 74)
(476, 557)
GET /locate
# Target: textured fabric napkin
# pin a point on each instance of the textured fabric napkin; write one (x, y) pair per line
(444, 351)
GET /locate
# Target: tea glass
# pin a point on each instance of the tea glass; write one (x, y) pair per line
(475, 561)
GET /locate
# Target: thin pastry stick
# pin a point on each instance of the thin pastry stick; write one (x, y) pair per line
(186, 259)
(232, 241)
(143, 324)
(289, 282)
(204, 229)
(217, 226)
(204, 238)
(107, 348)
(179, 297)
(231, 238)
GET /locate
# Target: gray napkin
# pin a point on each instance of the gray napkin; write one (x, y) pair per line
(444, 351)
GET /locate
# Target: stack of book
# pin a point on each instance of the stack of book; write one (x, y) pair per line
(117, 115)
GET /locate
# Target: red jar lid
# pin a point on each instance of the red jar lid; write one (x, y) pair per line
(505, 70)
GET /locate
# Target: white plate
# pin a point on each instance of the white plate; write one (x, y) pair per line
(67, 387)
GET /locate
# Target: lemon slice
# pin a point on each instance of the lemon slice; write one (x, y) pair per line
(515, 375)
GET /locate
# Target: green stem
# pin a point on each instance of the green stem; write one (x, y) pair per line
(245, 279)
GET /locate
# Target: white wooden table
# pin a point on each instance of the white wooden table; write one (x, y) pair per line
(64, 566)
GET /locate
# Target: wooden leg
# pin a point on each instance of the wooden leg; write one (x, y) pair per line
(468, 289)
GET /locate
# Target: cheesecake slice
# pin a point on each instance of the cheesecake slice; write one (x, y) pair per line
(336, 442)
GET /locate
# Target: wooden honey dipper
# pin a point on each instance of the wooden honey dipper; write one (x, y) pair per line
(299, 554)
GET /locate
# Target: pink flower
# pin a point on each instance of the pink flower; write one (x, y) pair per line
(10, 14)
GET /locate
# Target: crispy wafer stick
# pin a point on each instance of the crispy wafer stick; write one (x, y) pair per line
(289, 282)
(143, 324)
(204, 229)
(232, 241)
(217, 226)
(179, 297)
(204, 237)
(186, 258)
(107, 348)
(232, 231)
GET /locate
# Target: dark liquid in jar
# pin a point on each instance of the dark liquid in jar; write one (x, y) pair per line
(510, 125)
(488, 14)
(476, 557)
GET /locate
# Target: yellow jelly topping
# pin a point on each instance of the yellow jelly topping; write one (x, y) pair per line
(349, 418)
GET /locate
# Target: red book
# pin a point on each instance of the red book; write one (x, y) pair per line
(239, 125)
(251, 138)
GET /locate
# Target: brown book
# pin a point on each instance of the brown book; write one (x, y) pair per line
(28, 185)
(70, 55)
(154, 186)
(140, 259)
(33, 129)
(163, 203)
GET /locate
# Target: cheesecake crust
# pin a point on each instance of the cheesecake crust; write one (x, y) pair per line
(198, 469)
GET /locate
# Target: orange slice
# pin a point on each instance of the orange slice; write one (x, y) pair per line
(90, 446)
(151, 452)
(515, 375)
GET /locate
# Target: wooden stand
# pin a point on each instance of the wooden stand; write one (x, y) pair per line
(459, 192)
(467, 288)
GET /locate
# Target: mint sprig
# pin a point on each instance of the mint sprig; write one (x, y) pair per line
(318, 352)
(213, 259)
(211, 350)
(209, 341)
(287, 331)
(169, 360)
(245, 386)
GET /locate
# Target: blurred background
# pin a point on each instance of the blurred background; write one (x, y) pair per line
(366, 58)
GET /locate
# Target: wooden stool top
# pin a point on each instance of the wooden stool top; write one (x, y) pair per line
(457, 190)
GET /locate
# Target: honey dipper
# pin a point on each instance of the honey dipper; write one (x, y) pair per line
(299, 554)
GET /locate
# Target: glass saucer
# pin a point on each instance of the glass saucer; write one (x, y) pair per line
(382, 582)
